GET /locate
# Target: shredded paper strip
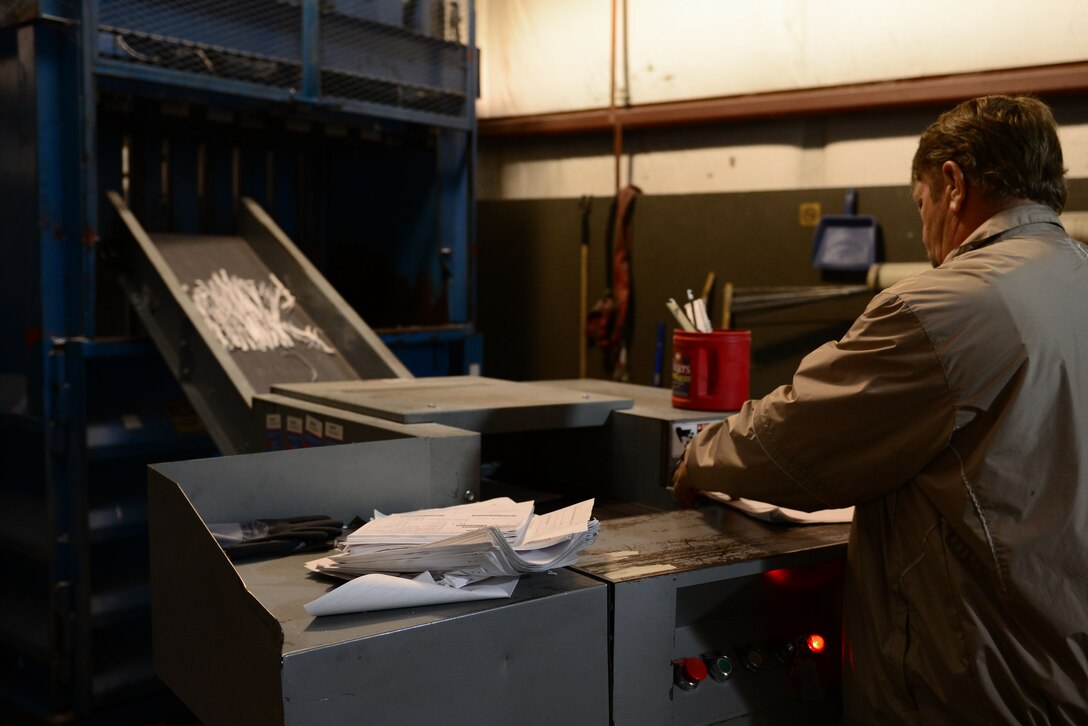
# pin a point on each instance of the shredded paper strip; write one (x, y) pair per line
(252, 316)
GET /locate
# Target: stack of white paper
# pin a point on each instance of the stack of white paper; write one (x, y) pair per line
(467, 542)
(432, 525)
(461, 545)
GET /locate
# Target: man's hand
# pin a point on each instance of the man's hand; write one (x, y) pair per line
(682, 491)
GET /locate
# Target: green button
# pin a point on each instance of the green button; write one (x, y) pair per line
(721, 668)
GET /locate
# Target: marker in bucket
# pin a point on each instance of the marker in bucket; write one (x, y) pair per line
(677, 313)
(696, 312)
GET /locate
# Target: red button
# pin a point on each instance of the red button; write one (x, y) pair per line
(694, 669)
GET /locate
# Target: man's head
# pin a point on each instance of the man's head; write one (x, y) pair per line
(985, 155)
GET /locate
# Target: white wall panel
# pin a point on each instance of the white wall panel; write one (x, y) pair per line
(706, 48)
(540, 56)
(552, 55)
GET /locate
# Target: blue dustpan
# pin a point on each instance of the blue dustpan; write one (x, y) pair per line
(847, 241)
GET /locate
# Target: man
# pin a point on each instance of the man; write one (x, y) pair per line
(954, 415)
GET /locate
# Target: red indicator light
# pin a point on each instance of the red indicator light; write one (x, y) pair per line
(815, 643)
(778, 577)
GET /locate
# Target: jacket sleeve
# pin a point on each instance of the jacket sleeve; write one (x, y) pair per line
(862, 417)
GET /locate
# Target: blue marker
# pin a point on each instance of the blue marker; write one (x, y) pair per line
(659, 356)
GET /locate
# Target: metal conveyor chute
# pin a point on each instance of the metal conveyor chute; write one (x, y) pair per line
(158, 272)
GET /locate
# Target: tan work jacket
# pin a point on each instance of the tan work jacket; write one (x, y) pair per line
(954, 414)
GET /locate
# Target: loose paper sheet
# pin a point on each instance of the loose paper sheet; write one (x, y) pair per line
(548, 529)
(772, 513)
(384, 592)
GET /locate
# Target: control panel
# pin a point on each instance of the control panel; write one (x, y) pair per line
(798, 654)
(765, 644)
(720, 618)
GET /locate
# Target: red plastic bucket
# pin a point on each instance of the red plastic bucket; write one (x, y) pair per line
(710, 370)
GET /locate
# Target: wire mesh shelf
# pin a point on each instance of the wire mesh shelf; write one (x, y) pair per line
(402, 54)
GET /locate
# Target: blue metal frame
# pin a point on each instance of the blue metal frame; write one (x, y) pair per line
(57, 162)
(438, 352)
(451, 268)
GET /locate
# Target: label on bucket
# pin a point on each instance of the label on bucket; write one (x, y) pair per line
(681, 375)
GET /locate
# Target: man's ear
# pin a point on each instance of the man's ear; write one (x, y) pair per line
(954, 184)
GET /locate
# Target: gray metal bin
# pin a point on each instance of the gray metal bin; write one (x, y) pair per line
(235, 644)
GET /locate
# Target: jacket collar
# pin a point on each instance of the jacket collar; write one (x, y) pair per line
(1005, 221)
